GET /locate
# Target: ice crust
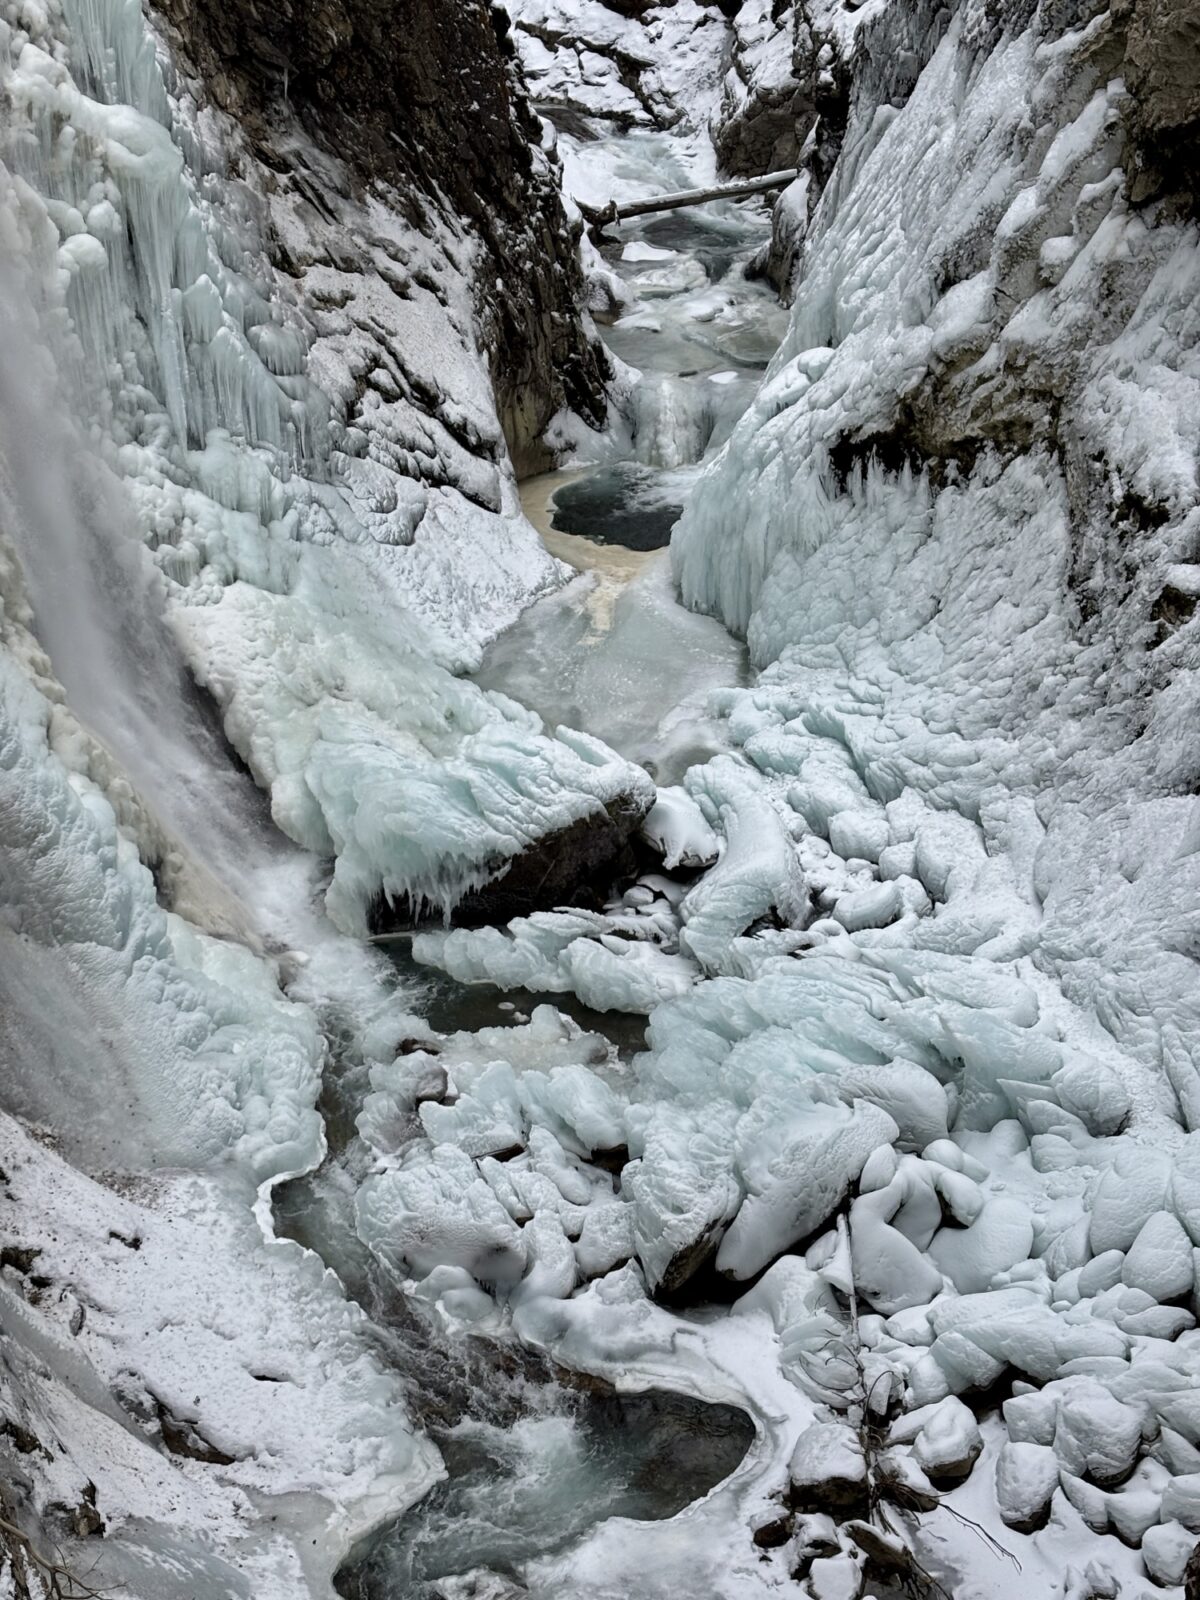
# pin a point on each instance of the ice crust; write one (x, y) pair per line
(926, 1027)
(944, 986)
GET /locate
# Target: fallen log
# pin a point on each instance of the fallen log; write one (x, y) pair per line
(605, 216)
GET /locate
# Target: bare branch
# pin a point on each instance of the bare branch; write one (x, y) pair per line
(59, 1581)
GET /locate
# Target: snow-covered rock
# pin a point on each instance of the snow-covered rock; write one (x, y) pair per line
(1026, 1478)
(1160, 1259)
(1166, 1551)
(828, 1467)
(949, 1441)
(1097, 1436)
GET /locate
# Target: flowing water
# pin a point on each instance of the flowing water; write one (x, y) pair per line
(534, 1457)
(530, 1486)
(117, 660)
(533, 1463)
(615, 653)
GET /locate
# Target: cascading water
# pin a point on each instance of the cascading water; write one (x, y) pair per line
(156, 357)
(528, 1484)
(98, 608)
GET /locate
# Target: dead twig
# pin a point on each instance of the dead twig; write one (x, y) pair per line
(59, 1582)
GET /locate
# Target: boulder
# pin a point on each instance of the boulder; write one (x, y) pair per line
(572, 867)
(949, 1442)
(1159, 1260)
(1026, 1478)
(1098, 1437)
(1167, 1551)
(828, 1469)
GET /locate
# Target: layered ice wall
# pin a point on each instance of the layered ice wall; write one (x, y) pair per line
(334, 526)
(955, 521)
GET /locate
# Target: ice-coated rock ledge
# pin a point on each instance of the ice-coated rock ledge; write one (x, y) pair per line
(940, 1043)
(313, 459)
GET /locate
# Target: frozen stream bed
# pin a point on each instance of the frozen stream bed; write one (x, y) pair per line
(537, 1458)
(615, 654)
(825, 1164)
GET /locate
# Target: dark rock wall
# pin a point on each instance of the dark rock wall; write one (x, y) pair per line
(422, 98)
(762, 126)
(1162, 75)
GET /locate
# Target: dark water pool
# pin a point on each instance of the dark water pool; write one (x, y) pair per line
(625, 504)
(715, 242)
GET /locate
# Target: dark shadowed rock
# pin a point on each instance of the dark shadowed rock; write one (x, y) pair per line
(1162, 76)
(573, 867)
(1191, 1576)
(423, 100)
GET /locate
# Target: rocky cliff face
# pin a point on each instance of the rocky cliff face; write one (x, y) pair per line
(432, 116)
(1162, 76)
(799, 68)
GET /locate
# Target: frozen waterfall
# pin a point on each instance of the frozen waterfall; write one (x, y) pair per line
(633, 1032)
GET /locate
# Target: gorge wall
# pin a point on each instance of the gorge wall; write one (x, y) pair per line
(426, 108)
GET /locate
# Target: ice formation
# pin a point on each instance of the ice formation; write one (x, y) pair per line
(908, 1168)
(178, 1367)
(948, 992)
(317, 554)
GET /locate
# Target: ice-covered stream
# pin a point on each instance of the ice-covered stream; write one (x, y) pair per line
(810, 1200)
(615, 653)
(534, 1461)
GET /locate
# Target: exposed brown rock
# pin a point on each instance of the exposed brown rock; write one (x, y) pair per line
(771, 1530)
(1162, 75)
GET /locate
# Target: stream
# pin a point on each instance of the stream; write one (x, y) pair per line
(535, 1457)
(614, 653)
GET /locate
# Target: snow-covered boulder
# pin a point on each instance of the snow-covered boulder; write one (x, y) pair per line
(949, 1441)
(1026, 1478)
(828, 1468)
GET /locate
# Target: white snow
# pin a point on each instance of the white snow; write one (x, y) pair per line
(924, 1025)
